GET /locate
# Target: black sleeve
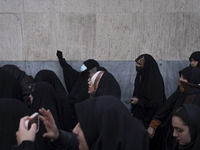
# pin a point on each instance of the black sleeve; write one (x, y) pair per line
(25, 145)
(167, 107)
(70, 74)
(66, 141)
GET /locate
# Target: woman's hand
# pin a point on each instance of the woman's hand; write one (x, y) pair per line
(48, 120)
(134, 100)
(151, 132)
(23, 134)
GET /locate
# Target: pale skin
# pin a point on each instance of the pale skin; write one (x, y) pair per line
(181, 131)
(150, 130)
(23, 134)
(91, 89)
(193, 62)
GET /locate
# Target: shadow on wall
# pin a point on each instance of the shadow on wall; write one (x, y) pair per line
(123, 71)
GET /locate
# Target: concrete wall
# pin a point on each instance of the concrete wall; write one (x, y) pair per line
(114, 32)
(31, 30)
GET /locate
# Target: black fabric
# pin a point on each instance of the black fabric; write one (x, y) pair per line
(24, 80)
(76, 84)
(25, 145)
(11, 111)
(193, 113)
(149, 90)
(178, 98)
(91, 63)
(108, 85)
(108, 125)
(44, 96)
(195, 56)
(50, 77)
(9, 86)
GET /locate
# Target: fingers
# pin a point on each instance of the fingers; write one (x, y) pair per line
(33, 128)
(22, 121)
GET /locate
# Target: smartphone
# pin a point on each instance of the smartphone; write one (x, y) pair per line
(128, 101)
(34, 119)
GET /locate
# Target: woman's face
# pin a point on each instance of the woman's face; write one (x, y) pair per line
(91, 89)
(181, 131)
(81, 138)
(140, 62)
(193, 62)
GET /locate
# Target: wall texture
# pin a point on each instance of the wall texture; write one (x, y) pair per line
(113, 32)
(31, 30)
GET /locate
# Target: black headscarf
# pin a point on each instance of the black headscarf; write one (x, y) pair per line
(192, 74)
(108, 85)
(150, 90)
(193, 113)
(45, 96)
(108, 125)
(9, 86)
(24, 80)
(195, 56)
(11, 111)
(50, 77)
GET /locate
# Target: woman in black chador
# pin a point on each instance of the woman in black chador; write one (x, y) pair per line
(9, 86)
(149, 93)
(50, 77)
(76, 82)
(188, 92)
(186, 124)
(195, 59)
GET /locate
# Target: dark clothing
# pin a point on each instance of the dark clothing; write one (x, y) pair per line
(76, 82)
(193, 113)
(66, 141)
(50, 77)
(9, 86)
(149, 89)
(195, 56)
(44, 96)
(108, 125)
(11, 111)
(25, 145)
(108, 85)
(186, 93)
(24, 80)
(77, 86)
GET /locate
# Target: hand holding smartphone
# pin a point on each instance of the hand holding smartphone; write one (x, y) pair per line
(34, 119)
(128, 101)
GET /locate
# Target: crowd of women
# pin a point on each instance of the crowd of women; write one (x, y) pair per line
(90, 114)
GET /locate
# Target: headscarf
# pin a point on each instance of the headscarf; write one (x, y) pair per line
(149, 90)
(9, 86)
(50, 77)
(195, 56)
(193, 113)
(108, 125)
(89, 64)
(192, 75)
(24, 80)
(45, 96)
(108, 85)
